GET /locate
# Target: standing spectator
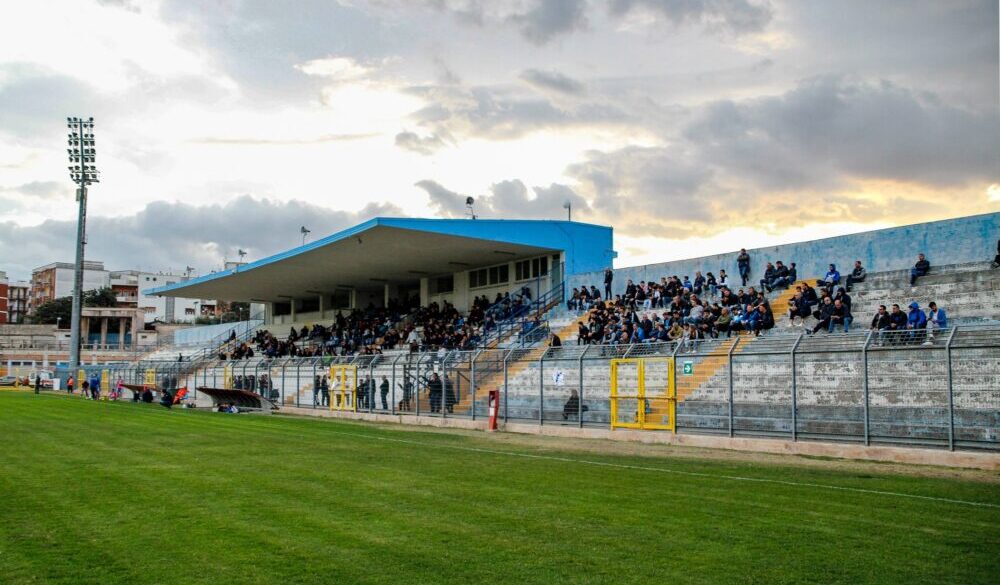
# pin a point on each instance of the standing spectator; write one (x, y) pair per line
(69, 384)
(609, 276)
(434, 388)
(325, 389)
(858, 274)
(743, 264)
(996, 259)
(936, 318)
(921, 268)
(384, 391)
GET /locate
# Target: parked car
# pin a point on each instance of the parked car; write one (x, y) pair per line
(8, 381)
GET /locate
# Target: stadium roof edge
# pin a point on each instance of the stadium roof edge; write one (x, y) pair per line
(542, 234)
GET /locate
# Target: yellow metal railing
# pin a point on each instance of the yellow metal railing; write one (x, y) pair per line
(343, 383)
(647, 406)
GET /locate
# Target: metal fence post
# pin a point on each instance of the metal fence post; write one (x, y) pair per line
(392, 395)
(505, 380)
(541, 389)
(951, 392)
(867, 396)
(370, 386)
(795, 422)
(732, 348)
(579, 406)
(472, 383)
(416, 384)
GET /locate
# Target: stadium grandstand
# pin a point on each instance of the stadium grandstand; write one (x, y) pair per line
(423, 318)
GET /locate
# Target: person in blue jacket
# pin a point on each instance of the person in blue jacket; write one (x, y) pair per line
(831, 279)
(936, 318)
(916, 323)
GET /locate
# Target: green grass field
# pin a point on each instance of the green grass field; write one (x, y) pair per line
(122, 493)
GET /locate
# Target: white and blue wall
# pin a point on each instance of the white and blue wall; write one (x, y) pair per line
(949, 241)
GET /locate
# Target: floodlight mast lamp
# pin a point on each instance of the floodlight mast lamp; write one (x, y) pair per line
(82, 154)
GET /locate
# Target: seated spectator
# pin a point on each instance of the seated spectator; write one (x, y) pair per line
(763, 321)
(793, 274)
(809, 294)
(573, 303)
(765, 283)
(858, 274)
(573, 406)
(781, 277)
(841, 316)
(798, 308)
(921, 268)
(880, 323)
(712, 284)
(843, 297)
(831, 279)
(824, 315)
(937, 319)
(723, 322)
(916, 324)
(897, 322)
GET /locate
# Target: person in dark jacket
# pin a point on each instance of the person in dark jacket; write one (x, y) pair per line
(768, 280)
(921, 268)
(764, 320)
(384, 391)
(824, 315)
(858, 274)
(166, 400)
(996, 259)
(881, 323)
(743, 264)
(841, 316)
(434, 388)
(609, 277)
(572, 406)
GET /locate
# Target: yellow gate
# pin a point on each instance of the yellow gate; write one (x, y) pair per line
(343, 383)
(105, 384)
(643, 395)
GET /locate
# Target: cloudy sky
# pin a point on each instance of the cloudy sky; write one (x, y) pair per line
(691, 126)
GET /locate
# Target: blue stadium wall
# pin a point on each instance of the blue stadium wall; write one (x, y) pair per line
(950, 241)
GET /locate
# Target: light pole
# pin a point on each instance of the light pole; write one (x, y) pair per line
(569, 210)
(305, 232)
(82, 153)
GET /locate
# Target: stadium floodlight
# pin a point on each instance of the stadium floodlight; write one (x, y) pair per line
(568, 206)
(305, 232)
(82, 154)
(469, 202)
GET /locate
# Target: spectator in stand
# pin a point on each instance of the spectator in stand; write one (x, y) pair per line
(824, 315)
(841, 316)
(831, 279)
(743, 264)
(897, 322)
(843, 297)
(881, 323)
(712, 284)
(765, 283)
(573, 303)
(937, 319)
(809, 294)
(858, 274)
(798, 308)
(764, 320)
(698, 283)
(921, 268)
(996, 259)
(609, 276)
(723, 279)
(916, 324)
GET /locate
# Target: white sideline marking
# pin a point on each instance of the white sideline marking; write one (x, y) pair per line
(674, 471)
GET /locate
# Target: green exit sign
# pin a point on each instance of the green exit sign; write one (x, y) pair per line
(688, 368)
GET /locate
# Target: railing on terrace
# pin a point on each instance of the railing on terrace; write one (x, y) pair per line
(865, 387)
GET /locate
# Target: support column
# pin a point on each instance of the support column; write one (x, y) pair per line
(104, 331)
(385, 299)
(292, 303)
(121, 333)
(84, 331)
(322, 308)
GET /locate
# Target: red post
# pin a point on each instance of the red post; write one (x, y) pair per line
(494, 403)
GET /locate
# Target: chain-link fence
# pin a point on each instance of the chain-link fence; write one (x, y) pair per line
(882, 387)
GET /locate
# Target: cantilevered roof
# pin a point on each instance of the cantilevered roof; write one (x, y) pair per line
(397, 250)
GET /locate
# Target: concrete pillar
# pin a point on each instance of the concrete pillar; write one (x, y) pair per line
(104, 331)
(84, 330)
(121, 334)
(322, 307)
(424, 292)
(292, 303)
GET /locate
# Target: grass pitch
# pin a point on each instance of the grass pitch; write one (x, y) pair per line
(123, 493)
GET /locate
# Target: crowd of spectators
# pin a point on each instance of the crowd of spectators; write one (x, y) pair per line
(686, 309)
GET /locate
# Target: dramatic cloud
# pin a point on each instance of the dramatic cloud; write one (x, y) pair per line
(733, 16)
(507, 199)
(552, 81)
(176, 235)
(425, 145)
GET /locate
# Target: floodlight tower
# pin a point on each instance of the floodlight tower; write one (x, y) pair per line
(82, 153)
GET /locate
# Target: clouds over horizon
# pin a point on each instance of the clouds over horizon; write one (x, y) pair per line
(668, 119)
